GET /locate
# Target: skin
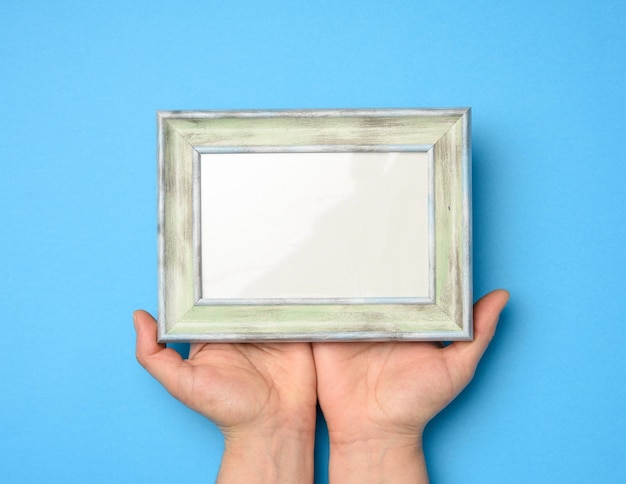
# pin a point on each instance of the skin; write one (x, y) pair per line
(262, 397)
(376, 398)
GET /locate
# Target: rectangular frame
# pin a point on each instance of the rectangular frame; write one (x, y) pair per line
(443, 134)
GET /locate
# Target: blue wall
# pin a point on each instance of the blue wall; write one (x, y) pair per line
(79, 86)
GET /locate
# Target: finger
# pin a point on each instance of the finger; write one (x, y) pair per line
(486, 314)
(161, 362)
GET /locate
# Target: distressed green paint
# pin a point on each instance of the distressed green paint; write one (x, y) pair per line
(316, 318)
(312, 130)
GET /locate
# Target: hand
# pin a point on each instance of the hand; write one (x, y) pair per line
(378, 397)
(261, 396)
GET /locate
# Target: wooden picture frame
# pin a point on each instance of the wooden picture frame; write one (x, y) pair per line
(219, 170)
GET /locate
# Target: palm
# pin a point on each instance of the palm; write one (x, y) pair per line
(237, 386)
(392, 386)
(368, 388)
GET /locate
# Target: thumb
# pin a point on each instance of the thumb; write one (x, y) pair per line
(159, 361)
(486, 314)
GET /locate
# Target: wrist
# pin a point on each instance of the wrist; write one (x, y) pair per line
(380, 459)
(269, 453)
(275, 435)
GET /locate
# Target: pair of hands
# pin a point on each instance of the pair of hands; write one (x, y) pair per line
(376, 398)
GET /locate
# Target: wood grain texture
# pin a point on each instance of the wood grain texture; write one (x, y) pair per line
(443, 133)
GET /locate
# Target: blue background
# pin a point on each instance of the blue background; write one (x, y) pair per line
(79, 86)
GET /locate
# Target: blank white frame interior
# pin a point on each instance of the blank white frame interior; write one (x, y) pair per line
(295, 226)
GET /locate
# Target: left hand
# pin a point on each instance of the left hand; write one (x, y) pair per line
(261, 396)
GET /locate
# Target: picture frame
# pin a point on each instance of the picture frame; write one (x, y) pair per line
(314, 225)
